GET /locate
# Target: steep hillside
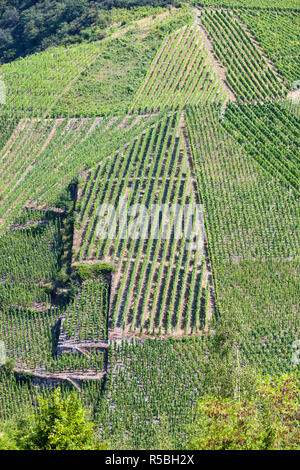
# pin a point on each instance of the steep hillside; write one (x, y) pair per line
(149, 214)
(28, 26)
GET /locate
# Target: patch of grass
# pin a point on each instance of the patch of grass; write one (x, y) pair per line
(89, 271)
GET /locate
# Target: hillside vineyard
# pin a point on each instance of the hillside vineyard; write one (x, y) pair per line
(149, 214)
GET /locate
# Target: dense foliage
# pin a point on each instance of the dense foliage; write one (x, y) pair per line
(60, 423)
(28, 26)
(265, 422)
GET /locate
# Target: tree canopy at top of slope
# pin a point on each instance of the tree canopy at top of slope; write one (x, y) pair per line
(27, 26)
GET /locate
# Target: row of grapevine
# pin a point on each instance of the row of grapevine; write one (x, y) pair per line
(251, 214)
(30, 253)
(42, 157)
(271, 134)
(159, 283)
(110, 83)
(34, 83)
(86, 318)
(30, 339)
(180, 74)
(29, 260)
(30, 257)
(152, 387)
(252, 223)
(27, 336)
(249, 74)
(250, 4)
(275, 32)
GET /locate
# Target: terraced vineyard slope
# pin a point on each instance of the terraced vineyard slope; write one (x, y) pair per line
(149, 221)
(251, 222)
(154, 290)
(35, 83)
(181, 73)
(275, 30)
(42, 153)
(250, 74)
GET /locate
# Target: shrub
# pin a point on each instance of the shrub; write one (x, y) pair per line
(89, 271)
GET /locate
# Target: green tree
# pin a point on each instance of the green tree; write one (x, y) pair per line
(7, 439)
(225, 376)
(60, 424)
(266, 421)
(7, 369)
